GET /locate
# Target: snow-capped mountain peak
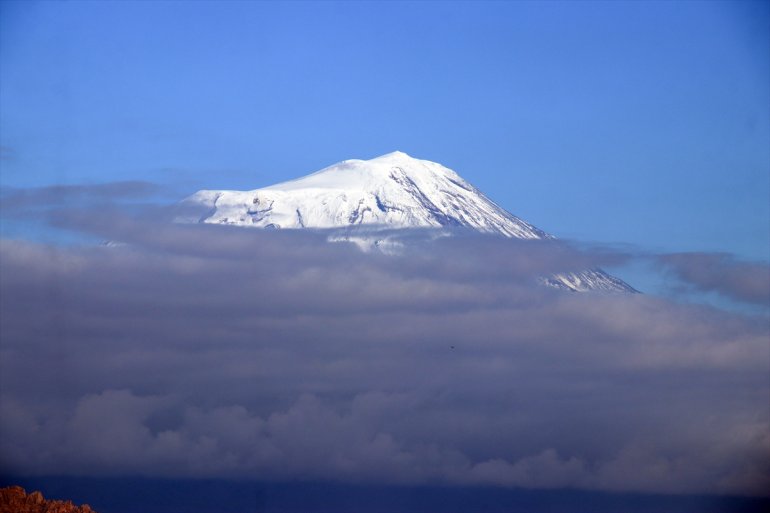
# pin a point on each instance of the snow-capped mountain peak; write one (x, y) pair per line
(395, 155)
(394, 190)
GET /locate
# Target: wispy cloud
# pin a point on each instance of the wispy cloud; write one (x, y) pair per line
(20, 201)
(721, 273)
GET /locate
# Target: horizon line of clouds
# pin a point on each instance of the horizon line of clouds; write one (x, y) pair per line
(98, 211)
(17, 199)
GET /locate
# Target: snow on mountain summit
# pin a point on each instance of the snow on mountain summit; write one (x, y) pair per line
(391, 191)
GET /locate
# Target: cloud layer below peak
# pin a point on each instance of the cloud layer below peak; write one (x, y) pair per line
(206, 351)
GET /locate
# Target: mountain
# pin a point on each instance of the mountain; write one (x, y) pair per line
(391, 191)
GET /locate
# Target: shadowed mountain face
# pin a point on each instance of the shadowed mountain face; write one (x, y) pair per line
(391, 191)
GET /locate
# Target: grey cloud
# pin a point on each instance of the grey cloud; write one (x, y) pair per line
(208, 351)
(23, 201)
(722, 273)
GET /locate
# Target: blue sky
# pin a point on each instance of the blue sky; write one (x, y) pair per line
(642, 123)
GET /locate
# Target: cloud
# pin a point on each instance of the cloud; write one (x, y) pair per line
(722, 273)
(206, 351)
(544, 470)
(23, 201)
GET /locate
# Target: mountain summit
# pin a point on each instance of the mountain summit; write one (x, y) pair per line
(392, 191)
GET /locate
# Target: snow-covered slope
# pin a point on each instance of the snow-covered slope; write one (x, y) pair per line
(392, 191)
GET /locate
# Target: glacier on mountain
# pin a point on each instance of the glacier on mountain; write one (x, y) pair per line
(390, 191)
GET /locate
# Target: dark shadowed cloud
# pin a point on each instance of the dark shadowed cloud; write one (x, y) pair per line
(211, 351)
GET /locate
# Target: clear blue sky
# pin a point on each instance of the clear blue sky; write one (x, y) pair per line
(646, 123)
